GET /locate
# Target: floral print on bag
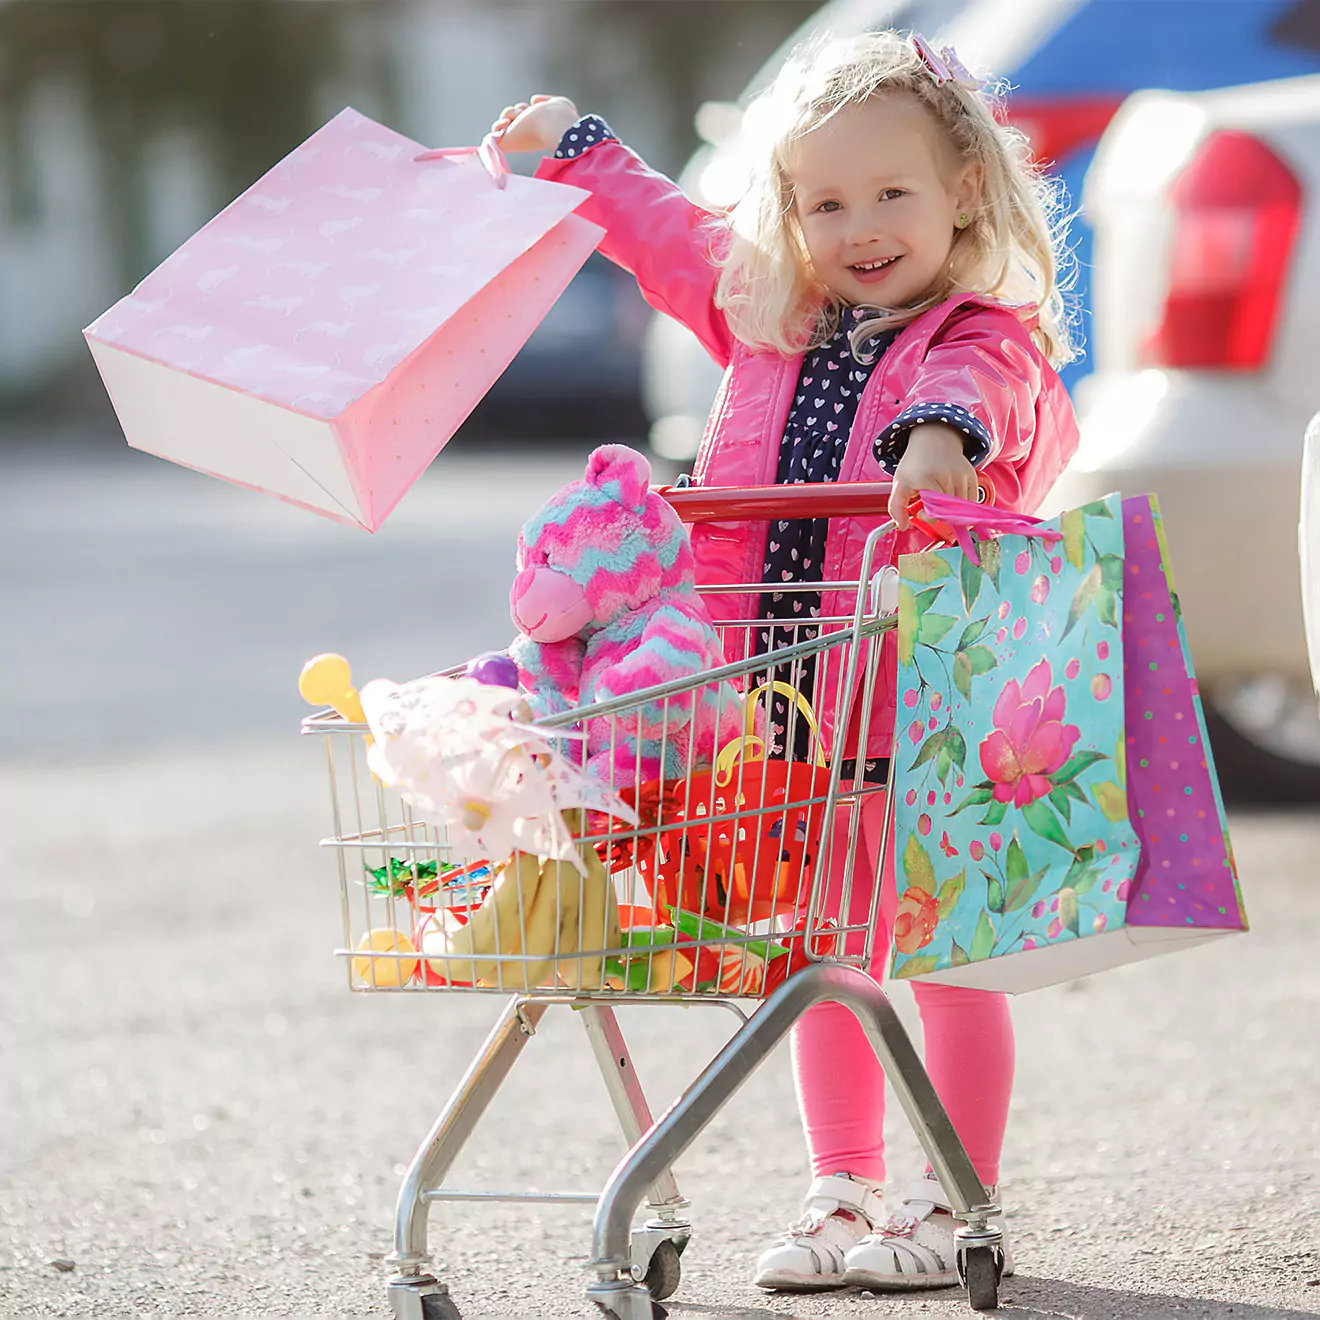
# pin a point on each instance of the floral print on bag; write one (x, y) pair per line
(1011, 813)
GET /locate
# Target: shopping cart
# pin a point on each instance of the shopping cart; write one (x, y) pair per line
(722, 891)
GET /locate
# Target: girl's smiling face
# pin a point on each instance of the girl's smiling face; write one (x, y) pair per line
(877, 196)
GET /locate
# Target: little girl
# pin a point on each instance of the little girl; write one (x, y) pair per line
(885, 301)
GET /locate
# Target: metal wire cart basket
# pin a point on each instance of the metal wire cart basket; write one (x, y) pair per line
(723, 892)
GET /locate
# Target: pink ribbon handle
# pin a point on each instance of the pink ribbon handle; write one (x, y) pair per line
(489, 153)
(962, 516)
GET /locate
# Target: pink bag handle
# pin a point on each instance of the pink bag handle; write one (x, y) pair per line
(960, 516)
(489, 153)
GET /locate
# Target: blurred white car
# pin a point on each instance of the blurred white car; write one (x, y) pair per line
(1309, 545)
(1204, 292)
(1206, 336)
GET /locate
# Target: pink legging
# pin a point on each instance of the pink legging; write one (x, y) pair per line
(968, 1037)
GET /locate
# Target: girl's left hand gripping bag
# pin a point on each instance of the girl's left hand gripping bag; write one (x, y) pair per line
(325, 335)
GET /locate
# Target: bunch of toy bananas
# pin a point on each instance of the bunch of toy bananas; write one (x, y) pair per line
(542, 923)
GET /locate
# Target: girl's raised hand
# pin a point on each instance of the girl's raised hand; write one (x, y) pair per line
(934, 460)
(535, 125)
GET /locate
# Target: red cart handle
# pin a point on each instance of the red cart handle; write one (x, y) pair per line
(808, 500)
(825, 499)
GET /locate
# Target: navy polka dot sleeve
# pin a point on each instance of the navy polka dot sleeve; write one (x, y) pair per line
(891, 443)
(589, 131)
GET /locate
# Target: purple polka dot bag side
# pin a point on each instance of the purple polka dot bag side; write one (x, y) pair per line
(1187, 878)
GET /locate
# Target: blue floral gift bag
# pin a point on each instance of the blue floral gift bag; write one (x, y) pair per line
(1012, 812)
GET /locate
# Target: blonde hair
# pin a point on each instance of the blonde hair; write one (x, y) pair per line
(1012, 249)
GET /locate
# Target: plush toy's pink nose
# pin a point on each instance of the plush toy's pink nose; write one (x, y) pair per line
(548, 605)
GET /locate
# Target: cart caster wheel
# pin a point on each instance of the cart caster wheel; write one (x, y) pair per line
(981, 1268)
(664, 1271)
(439, 1306)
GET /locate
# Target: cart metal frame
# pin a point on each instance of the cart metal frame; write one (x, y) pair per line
(635, 1268)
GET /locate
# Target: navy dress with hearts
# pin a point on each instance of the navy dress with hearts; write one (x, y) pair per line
(815, 441)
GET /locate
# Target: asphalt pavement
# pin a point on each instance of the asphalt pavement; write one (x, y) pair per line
(199, 1119)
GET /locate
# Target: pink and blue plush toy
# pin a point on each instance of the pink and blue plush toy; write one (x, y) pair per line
(605, 602)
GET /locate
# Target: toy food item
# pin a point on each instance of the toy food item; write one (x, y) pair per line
(494, 928)
(544, 910)
(606, 604)
(385, 973)
(636, 914)
(431, 922)
(327, 680)
(495, 669)
(664, 960)
(742, 971)
(418, 881)
(665, 970)
(693, 953)
(780, 969)
(599, 927)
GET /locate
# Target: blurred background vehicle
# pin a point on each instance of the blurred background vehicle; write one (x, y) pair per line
(1070, 64)
(1207, 331)
(1309, 545)
(579, 376)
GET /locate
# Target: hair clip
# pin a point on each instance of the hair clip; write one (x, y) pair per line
(945, 66)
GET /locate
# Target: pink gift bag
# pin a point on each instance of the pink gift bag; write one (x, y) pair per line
(325, 335)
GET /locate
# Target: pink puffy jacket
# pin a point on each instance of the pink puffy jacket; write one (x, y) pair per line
(971, 350)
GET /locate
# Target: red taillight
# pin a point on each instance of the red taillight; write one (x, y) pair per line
(1237, 208)
(1056, 126)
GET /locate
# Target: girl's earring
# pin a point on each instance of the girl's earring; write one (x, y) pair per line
(963, 220)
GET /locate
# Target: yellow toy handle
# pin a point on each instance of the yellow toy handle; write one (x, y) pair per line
(751, 748)
(327, 680)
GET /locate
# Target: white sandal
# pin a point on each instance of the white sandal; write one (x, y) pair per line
(914, 1247)
(840, 1211)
